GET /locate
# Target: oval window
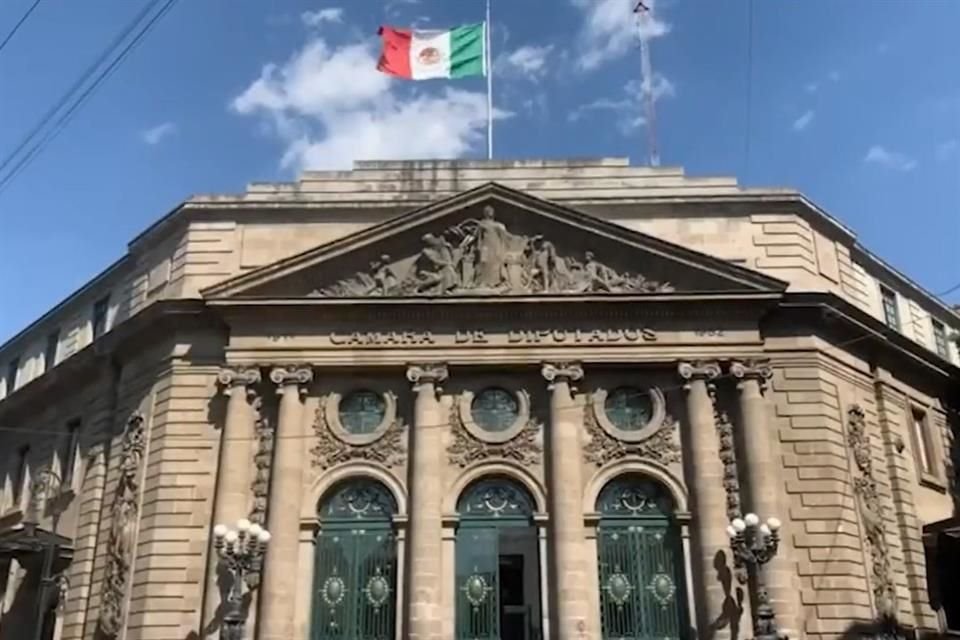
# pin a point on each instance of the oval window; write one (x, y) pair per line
(362, 411)
(628, 408)
(495, 409)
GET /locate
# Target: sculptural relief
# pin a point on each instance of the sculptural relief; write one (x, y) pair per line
(483, 257)
(661, 446)
(123, 524)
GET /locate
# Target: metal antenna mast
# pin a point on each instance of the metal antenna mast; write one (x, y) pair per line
(644, 15)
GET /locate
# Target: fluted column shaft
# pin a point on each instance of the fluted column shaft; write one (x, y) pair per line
(565, 493)
(711, 543)
(278, 588)
(764, 480)
(425, 530)
(232, 491)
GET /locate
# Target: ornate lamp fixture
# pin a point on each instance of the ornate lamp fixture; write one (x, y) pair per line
(755, 544)
(240, 552)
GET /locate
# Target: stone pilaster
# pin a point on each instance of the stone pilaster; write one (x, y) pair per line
(278, 587)
(425, 530)
(570, 579)
(764, 485)
(233, 475)
(711, 555)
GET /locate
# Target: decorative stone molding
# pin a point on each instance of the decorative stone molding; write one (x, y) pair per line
(661, 447)
(698, 370)
(871, 512)
(521, 443)
(759, 370)
(232, 378)
(598, 408)
(291, 375)
(334, 445)
(124, 514)
(731, 479)
(260, 487)
(427, 373)
(561, 372)
(481, 257)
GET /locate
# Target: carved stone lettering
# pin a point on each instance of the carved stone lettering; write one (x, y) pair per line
(661, 447)
(482, 257)
(865, 487)
(124, 514)
(329, 450)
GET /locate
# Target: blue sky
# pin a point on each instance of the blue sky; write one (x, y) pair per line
(856, 103)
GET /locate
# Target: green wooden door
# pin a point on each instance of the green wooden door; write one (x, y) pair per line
(486, 509)
(640, 560)
(354, 596)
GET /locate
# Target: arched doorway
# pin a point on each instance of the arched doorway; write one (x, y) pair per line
(355, 582)
(498, 563)
(640, 560)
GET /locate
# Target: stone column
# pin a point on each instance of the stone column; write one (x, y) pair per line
(711, 555)
(570, 580)
(764, 484)
(425, 536)
(232, 491)
(279, 584)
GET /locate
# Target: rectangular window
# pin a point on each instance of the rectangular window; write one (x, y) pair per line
(940, 338)
(922, 443)
(50, 353)
(99, 320)
(890, 313)
(20, 474)
(68, 453)
(12, 368)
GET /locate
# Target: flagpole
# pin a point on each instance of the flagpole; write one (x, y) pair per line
(489, 64)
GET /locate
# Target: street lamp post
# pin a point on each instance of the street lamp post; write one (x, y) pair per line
(240, 552)
(755, 544)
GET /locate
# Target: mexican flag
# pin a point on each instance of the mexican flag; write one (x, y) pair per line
(421, 55)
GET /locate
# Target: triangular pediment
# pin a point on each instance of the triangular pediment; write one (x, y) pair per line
(494, 241)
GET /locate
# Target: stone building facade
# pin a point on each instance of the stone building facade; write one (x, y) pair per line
(483, 400)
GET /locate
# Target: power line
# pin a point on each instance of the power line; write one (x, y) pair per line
(19, 24)
(77, 101)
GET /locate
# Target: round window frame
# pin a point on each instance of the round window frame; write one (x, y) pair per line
(653, 425)
(465, 408)
(332, 414)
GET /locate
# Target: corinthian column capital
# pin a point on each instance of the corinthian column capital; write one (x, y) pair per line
(758, 370)
(434, 373)
(698, 370)
(556, 372)
(292, 374)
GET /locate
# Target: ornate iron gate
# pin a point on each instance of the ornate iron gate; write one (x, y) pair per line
(486, 509)
(640, 559)
(355, 569)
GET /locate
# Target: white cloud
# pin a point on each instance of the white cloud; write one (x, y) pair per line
(610, 30)
(528, 61)
(330, 106)
(947, 148)
(811, 87)
(156, 135)
(628, 109)
(889, 159)
(320, 16)
(803, 121)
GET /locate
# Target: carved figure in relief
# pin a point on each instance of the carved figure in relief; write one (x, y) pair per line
(482, 257)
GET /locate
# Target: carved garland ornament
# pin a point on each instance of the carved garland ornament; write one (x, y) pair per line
(661, 446)
(865, 487)
(482, 257)
(387, 449)
(260, 486)
(525, 447)
(124, 515)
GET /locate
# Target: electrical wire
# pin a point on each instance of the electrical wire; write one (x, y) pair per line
(19, 24)
(63, 120)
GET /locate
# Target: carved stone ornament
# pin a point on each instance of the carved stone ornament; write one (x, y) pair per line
(661, 447)
(758, 370)
(731, 480)
(239, 377)
(333, 446)
(522, 443)
(482, 257)
(291, 375)
(561, 372)
(427, 373)
(871, 512)
(124, 513)
(260, 487)
(698, 370)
